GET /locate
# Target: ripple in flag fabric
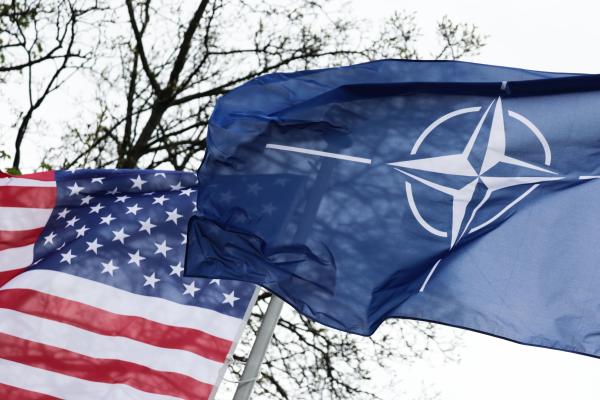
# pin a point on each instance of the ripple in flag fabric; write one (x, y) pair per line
(456, 193)
(93, 302)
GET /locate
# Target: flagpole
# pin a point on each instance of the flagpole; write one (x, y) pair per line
(265, 332)
(259, 348)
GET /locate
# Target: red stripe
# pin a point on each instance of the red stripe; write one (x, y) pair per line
(9, 239)
(106, 323)
(38, 176)
(27, 196)
(101, 370)
(6, 276)
(13, 393)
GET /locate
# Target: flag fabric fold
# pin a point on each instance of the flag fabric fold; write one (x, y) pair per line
(452, 192)
(93, 302)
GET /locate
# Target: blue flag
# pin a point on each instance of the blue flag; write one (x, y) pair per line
(451, 192)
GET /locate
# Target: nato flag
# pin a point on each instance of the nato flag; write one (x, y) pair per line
(451, 192)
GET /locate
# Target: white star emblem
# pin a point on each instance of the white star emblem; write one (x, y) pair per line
(121, 199)
(120, 235)
(177, 186)
(86, 199)
(114, 191)
(183, 238)
(137, 183)
(215, 281)
(254, 188)
(176, 269)
(190, 289)
(186, 192)
(96, 209)
(98, 180)
(81, 231)
(459, 165)
(135, 258)
(75, 189)
(107, 220)
(49, 239)
(268, 209)
(67, 257)
(93, 246)
(72, 222)
(133, 209)
(109, 268)
(160, 200)
(173, 216)
(63, 213)
(230, 298)
(160, 174)
(162, 248)
(151, 280)
(146, 226)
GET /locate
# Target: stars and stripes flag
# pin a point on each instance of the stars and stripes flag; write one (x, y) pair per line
(93, 302)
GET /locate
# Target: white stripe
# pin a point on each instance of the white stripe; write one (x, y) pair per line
(122, 302)
(424, 285)
(417, 214)
(588, 177)
(20, 219)
(67, 387)
(438, 122)
(26, 182)
(318, 153)
(536, 132)
(505, 209)
(16, 257)
(81, 341)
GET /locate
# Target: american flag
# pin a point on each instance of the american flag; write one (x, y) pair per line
(93, 302)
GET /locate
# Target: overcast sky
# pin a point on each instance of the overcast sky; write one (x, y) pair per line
(547, 35)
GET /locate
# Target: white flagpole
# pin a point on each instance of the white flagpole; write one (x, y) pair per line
(259, 348)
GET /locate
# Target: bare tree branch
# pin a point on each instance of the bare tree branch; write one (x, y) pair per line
(65, 36)
(140, 45)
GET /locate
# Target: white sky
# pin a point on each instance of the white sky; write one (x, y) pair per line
(546, 35)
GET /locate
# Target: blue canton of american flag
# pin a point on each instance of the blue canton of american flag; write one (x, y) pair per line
(93, 302)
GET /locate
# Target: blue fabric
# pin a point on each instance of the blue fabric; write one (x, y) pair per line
(452, 192)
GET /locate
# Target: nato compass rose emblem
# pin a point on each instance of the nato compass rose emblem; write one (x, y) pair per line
(482, 175)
